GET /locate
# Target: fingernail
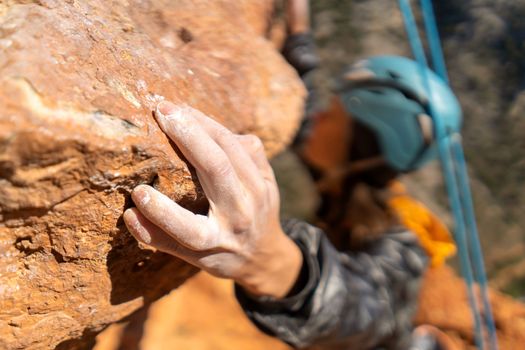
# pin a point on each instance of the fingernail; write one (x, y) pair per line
(165, 108)
(135, 228)
(140, 195)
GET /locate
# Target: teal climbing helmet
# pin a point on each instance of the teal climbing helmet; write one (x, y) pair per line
(387, 94)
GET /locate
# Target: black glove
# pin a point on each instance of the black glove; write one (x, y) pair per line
(299, 51)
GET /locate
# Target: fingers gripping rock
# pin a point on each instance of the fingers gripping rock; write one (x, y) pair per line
(241, 237)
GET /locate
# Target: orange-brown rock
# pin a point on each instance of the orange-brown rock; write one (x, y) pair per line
(78, 83)
(444, 304)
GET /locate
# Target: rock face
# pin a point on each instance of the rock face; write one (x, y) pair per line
(78, 83)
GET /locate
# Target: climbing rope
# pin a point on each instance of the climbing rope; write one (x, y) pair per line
(455, 174)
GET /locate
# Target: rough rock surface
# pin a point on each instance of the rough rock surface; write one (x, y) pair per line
(78, 83)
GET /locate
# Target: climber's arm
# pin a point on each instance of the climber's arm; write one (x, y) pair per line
(348, 300)
(241, 237)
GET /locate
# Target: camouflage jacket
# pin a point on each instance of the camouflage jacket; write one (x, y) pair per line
(346, 300)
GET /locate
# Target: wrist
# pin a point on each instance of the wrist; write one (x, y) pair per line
(276, 271)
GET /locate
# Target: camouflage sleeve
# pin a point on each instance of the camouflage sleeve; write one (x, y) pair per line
(363, 299)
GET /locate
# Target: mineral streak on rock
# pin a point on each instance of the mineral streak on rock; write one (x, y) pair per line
(78, 83)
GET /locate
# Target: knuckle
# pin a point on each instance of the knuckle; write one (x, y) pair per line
(195, 245)
(243, 220)
(224, 135)
(255, 143)
(203, 238)
(259, 189)
(219, 167)
(200, 241)
(242, 224)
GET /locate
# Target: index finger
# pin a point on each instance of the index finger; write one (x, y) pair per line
(214, 169)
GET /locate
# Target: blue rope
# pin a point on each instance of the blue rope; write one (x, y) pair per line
(454, 169)
(438, 62)
(460, 234)
(474, 240)
(413, 34)
(434, 43)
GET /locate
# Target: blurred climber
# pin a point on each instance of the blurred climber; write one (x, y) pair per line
(299, 47)
(354, 286)
(377, 128)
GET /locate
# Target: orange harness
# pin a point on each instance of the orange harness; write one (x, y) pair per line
(433, 235)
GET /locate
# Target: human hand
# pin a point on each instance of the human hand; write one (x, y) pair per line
(241, 237)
